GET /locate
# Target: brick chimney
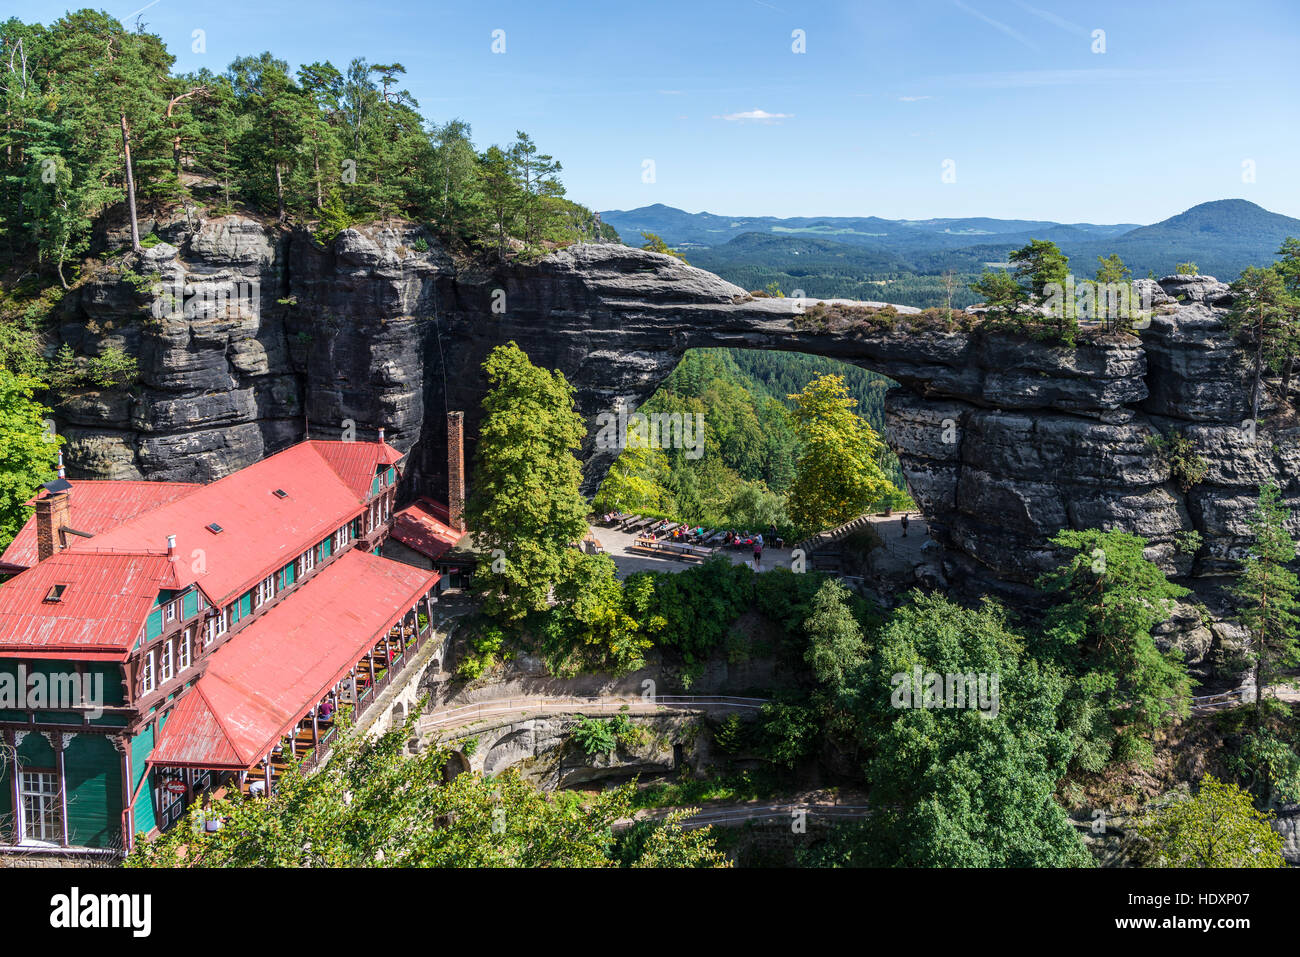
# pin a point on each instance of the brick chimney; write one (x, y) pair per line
(53, 512)
(456, 470)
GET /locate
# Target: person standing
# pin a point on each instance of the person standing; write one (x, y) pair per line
(904, 524)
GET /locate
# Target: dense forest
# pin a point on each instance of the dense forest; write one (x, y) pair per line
(744, 475)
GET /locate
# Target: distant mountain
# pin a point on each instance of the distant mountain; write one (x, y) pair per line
(680, 228)
(1221, 237)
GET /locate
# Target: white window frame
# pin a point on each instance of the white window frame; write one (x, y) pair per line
(169, 611)
(41, 789)
(168, 660)
(187, 645)
(148, 673)
(265, 591)
(306, 562)
(216, 627)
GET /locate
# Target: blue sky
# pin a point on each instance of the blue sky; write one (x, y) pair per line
(1036, 125)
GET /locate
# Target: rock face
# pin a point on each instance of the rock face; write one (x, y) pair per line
(1003, 441)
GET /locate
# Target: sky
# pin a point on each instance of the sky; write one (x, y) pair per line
(1104, 112)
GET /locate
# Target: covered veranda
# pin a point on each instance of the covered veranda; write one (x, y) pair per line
(273, 695)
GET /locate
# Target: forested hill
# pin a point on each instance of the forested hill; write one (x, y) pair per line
(95, 122)
(903, 261)
(750, 448)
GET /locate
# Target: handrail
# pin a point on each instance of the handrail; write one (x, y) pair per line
(576, 703)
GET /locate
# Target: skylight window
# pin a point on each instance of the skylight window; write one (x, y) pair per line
(56, 593)
(215, 529)
(280, 493)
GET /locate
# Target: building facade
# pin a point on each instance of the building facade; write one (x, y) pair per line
(161, 642)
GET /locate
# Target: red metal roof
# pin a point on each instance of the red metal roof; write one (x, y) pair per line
(356, 462)
(266, 678)
(105, 600)
(419, 527)
(96, 507)
(260, 531)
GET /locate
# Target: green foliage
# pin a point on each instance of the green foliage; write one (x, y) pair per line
(1187, 269)
(27, 450)
(596, 624)
(837, 475)
(1219, 827)
(481, 655)
(787, 732)
(1265, 317)
(690, 611)
(525, 507)
(1267, 591)
(961, 787)
(595, 736)
(1181, 454)
(835, 642)
(372, 806)
(1108, 598)
(657, 245)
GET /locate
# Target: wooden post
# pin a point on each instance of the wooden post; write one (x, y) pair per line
(266, 774)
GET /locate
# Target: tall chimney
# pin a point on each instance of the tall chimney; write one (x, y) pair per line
(171, 547)
(456, 470)
(381, 435)
(52, 513)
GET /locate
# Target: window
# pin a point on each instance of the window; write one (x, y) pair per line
(185, 648)
(148, 677)
(168, 659)
(215, 628)
(388, 506)
(171, 611)
(266, 590)
(42, 810)
(56, 593)
(306, 562)
(341, 537)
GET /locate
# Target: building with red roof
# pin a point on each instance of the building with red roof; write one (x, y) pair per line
(181, 636)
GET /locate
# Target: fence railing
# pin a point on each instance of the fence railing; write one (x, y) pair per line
(604, 705)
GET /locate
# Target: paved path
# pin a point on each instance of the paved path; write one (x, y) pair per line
(442, 719)
(729, 813)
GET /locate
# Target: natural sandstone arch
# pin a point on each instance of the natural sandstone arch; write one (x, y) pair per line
(383, 335)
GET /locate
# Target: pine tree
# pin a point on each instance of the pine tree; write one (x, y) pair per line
(1261, 319)
(1268, 590)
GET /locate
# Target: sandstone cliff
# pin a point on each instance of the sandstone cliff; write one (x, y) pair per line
(1004, 441)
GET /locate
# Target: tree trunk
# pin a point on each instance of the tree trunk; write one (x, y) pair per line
(130, 186)
(279, 195)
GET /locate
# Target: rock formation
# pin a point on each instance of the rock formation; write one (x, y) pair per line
(1003, 440)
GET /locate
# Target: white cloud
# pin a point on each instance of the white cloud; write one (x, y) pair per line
(913, 99)
(755, 116)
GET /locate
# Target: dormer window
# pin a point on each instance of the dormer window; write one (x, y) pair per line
(56, 593)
